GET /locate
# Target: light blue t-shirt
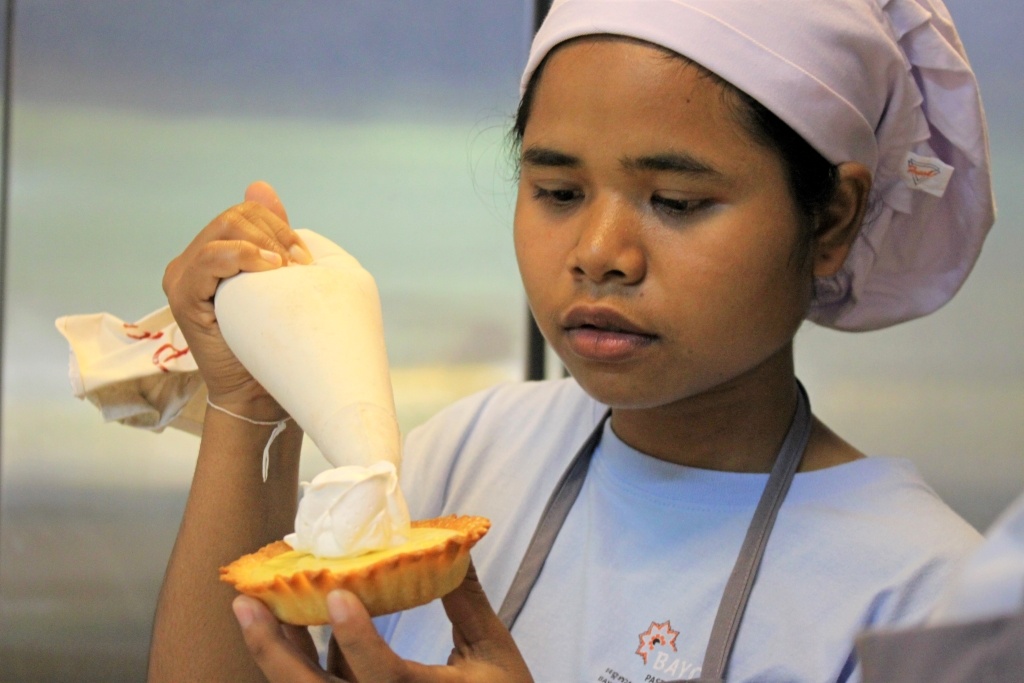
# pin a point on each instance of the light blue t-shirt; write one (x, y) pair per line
(632, 585)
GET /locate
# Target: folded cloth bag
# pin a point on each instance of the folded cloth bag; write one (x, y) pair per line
(976, 632)
(141, 374)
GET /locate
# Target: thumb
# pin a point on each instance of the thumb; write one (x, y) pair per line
(262, 193)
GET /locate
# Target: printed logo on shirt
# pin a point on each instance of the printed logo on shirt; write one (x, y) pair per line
(657, 635)
(658, 650)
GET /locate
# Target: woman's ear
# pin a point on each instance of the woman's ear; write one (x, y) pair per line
(840, 222)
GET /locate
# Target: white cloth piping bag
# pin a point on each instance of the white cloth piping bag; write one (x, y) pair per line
(313, 336)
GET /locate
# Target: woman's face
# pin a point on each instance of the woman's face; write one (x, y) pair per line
(655, 238)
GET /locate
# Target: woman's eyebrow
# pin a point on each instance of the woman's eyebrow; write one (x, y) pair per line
(671, 162)
(544, 156)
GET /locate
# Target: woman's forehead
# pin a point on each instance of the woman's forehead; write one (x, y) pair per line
(626, 95)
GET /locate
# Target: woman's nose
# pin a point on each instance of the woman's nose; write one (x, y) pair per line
(609, 248)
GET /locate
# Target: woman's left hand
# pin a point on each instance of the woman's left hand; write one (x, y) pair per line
(483, 650)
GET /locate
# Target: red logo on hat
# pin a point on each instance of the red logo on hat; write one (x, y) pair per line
(655, 636)
(921, 171)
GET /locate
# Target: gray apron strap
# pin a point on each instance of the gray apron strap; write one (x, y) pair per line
(741, 581)
(551, 520)
(744, 572)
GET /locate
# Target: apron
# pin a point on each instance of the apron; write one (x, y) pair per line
(741, 580)
(984, 651)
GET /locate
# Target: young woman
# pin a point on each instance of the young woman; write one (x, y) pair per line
(697, 178)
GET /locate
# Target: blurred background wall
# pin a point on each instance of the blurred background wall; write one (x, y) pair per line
(382, 124)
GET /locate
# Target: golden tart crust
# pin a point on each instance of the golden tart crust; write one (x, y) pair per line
(295, 585)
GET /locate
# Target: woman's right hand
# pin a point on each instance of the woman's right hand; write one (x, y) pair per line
(250, 237)
(483, 652)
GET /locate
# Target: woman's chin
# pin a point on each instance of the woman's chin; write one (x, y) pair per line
(620, 391)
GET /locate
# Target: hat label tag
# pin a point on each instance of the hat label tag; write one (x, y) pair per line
(927, 174)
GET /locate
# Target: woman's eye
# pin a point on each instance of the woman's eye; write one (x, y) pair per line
(557, 196)
(677, 206)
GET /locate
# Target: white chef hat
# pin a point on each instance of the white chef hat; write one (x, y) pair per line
(882, 82)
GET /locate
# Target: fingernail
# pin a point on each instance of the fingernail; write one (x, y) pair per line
(300, 255)
(339, 606)
(243, 612)
(270, 256)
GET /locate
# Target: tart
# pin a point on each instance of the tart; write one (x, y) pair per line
(294, 585)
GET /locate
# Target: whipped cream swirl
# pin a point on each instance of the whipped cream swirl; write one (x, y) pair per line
(349, 511)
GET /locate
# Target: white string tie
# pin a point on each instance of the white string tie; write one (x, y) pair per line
(279, 426)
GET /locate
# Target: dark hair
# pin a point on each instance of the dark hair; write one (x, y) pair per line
(813, 179)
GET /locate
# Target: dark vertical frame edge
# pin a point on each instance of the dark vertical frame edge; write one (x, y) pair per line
(535, 345)
(5, 184)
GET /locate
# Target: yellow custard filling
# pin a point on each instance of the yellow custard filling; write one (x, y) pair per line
(293, 561)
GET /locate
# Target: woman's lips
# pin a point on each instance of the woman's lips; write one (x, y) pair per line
(604, 335)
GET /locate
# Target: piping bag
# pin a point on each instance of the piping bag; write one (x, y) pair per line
(313, 336)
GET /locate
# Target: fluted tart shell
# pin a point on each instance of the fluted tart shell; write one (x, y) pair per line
(294, 585)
